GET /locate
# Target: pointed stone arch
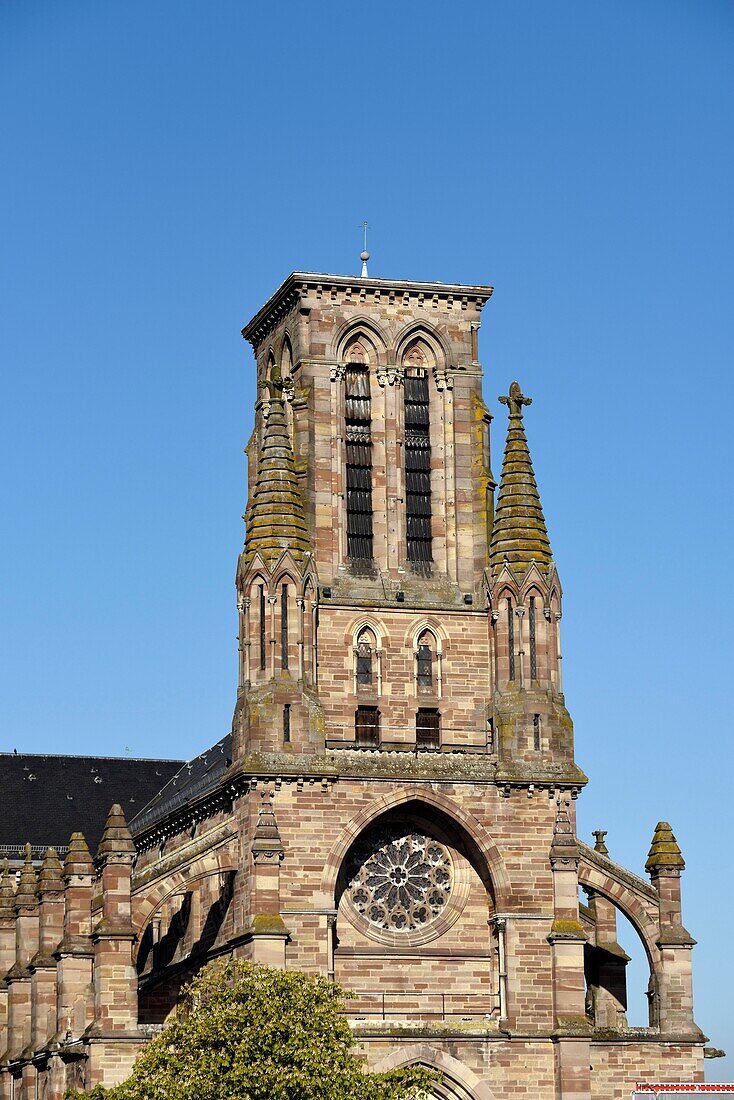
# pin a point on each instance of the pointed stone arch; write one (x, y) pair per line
(490, 863)
(364, 330)
(458, 1081)
(434, 337)
(367, 622)
(147, 901)
(643, 919)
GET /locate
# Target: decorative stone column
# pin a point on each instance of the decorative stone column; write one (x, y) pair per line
(267, 929)
(43, 964)
(74, 956)
(675, 990)
(19, 980)
(567, 939)
(114, 1037)
(7, 958)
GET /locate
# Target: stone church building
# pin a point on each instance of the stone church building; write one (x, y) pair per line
(395, 804)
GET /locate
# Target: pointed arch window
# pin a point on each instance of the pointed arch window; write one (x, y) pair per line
(417, 462)
(364, 655)
(424, 662)
(510, 640)
(428, 670)
(367, 662)
(358, 431)
(533, 644)
(284, 627)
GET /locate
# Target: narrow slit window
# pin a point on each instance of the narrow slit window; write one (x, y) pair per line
(367, 727)
(427, 728)
(536, 731)
(358, 424)
(287, 722)
(418, 473)
(531, 627)
(262, 626)
(284, 627)
(511, 639)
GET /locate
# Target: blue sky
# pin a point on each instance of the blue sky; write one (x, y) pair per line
(165, 165)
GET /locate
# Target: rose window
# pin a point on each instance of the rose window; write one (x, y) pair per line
(399, 880)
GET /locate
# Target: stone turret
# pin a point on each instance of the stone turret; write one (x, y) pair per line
(276, 521)
(533, 726)
(519, 534)
(273, 574)
(19, 976)
(74, 956)
(114, 1034)
(267, 928)
(675, 992)
(567, 939)
(7, 946)
(43, 964)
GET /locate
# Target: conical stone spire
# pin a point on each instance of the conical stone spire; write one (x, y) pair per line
(78, 860)
(25, 895)
(564, 846)
(664, 851)
(519, 534)
(266, 842)
(275, 518)
(50, 880)
(7, 892)
(116, 838)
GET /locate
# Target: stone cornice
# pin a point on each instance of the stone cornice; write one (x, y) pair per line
(379, 765)
(311, 287)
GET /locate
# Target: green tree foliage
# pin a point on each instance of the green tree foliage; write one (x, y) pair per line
(246, 1032)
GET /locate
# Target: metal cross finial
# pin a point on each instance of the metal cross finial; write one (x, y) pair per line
(516, 400)
(364, 257)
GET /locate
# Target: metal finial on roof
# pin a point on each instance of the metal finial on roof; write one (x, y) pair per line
(364, 255)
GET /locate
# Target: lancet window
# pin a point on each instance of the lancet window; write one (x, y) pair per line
(261, 625)
(358, 423)
(417, 462)
(510, 639)
(284, 627)
(533, 646)
(424, 662)
(364, 657)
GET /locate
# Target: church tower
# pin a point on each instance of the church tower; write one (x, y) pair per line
(394, 807)
(383, 605)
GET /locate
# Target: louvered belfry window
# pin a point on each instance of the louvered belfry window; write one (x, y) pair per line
(418, 473)
(358, 417)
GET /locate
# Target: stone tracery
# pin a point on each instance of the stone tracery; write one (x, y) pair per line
(399, 879)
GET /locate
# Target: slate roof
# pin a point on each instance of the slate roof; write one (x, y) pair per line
(44, 799)
(192, 779)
